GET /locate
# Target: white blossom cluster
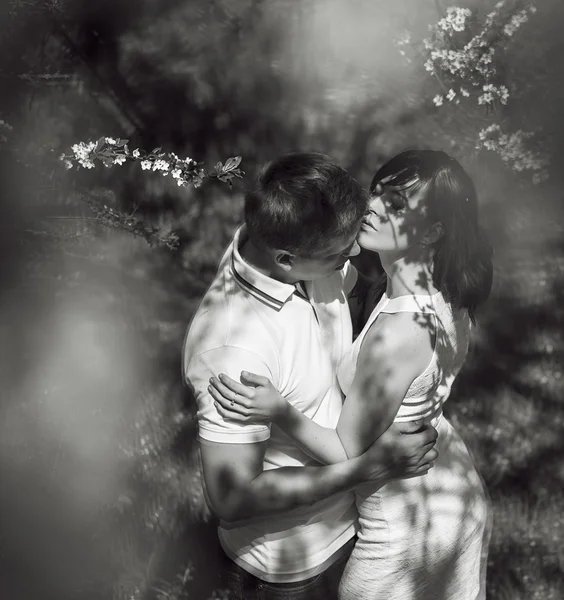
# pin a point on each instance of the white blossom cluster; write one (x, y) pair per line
(451, 96)
(493, 92)
(111, 151)
(470, 63)
(518, 19)
(175, 166)
(4, 129)
(464, 64)
(513, 150)
(403, 42)
(455, 19)
(84, 155)
(179, 166)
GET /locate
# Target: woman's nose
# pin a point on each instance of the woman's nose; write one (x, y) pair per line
(376, 206)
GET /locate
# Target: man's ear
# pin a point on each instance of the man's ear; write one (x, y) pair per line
(284, 259)
(433, 234)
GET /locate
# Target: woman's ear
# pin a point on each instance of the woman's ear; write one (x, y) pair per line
(284, 259)
(433, 234)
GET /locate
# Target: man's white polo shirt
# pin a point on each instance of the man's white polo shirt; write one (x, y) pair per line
(248, 321)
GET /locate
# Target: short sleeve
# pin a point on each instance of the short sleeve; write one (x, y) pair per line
(350, 276)
(230, 360)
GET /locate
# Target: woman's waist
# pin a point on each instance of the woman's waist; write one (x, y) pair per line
(454, 464)
(426, 410)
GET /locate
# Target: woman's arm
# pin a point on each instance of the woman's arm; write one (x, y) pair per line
(257, 400)
(393, 353)
(321, 443)
(396, 349)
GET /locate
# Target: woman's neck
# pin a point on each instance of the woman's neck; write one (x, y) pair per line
(409, 275)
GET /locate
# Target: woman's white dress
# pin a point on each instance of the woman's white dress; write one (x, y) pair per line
(424, 538)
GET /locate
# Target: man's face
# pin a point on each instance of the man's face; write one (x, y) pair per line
(321, 264)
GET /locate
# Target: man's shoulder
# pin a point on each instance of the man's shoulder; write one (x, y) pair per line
(228, 322)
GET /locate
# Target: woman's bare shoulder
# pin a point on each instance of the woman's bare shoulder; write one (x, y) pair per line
(399, 336)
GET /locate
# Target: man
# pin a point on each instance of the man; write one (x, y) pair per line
(278, 307)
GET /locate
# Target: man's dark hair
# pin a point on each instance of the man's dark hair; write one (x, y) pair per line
(302, 202)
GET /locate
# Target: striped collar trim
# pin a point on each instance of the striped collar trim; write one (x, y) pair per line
(269, 291)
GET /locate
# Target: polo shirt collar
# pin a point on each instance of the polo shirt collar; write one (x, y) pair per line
(269, 291)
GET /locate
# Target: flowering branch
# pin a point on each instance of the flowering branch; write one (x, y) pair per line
(111, 218)
(472, 62)
(512, 149)
(114, 151)
(464, 65)
(49, 78)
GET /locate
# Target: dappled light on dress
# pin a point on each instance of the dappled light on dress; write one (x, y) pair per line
(426, 537)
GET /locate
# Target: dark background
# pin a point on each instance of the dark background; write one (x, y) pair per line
(101, 493)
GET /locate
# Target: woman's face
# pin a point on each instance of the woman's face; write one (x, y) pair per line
(397, 217)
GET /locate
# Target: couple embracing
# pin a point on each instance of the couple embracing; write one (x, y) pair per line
(328, 461)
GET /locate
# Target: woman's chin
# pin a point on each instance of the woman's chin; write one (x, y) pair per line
(372, 245)
(367, 239)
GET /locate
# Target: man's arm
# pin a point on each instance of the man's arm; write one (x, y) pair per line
(233, 453)
(392, 354)
(238, 487)
(256, 400)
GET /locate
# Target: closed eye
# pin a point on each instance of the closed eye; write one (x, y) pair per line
(397, 202)
(393, 197)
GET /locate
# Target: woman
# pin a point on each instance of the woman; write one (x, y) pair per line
(421, 538)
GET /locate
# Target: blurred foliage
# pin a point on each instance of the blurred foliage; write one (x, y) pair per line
(103, 495)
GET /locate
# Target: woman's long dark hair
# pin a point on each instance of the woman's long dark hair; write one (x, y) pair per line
(462, 264)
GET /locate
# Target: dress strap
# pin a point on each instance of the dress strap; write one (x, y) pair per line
(412, 303)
